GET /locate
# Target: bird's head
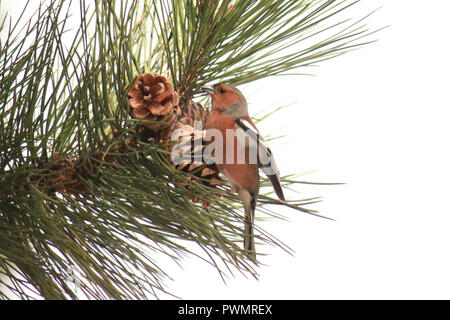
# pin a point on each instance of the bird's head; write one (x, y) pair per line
(227, 99)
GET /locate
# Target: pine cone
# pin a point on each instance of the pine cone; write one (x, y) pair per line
(153, 98)
(192, 112)
(63, 177)
(190, 150)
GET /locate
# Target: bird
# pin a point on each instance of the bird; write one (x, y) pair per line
(229, 114)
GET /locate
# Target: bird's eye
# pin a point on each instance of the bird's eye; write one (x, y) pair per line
(222, 90)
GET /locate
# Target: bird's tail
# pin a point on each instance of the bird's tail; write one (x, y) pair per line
(249, 209)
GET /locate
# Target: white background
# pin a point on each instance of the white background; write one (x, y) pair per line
(376, 119)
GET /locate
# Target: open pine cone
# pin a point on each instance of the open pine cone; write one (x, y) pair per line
(153, 98)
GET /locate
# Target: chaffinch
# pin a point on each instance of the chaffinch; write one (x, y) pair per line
(242, 151)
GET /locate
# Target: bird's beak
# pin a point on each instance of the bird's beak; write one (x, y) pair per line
(208, 89)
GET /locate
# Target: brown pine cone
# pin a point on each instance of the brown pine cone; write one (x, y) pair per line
(153, 98)
(192, 112)
(190, 147)
(63, 177)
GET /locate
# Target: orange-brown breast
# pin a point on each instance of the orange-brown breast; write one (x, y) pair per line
(241, 175)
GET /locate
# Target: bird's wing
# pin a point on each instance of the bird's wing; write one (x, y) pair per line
(266, 161)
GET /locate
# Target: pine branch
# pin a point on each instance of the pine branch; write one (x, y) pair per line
(88, 200)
